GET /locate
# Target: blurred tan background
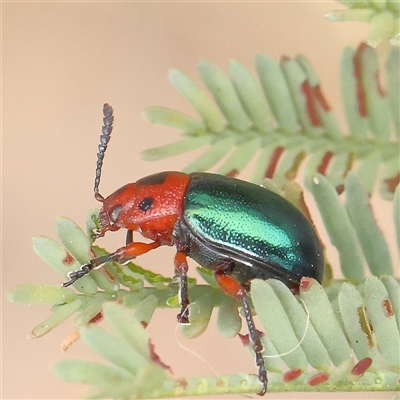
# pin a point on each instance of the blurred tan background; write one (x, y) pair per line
(61, 62)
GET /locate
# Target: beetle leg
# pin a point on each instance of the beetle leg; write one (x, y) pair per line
(121, 255)
(233, 288)
(257, 345)
(129, 236)
(228, 284)
(86, 268)
(133, 250)
(181, 267)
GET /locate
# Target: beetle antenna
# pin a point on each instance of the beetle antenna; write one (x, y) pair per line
(108, 119)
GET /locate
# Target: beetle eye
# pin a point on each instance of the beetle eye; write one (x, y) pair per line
(115, 213)
(146, 203)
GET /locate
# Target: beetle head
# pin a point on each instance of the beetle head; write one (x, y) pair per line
(115, 209)
(151, 205)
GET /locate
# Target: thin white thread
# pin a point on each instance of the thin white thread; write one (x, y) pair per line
(265, 356)
(301, 340)
(201, 358)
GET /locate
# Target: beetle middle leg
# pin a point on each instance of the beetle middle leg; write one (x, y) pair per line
(181, 267)
(235, 289)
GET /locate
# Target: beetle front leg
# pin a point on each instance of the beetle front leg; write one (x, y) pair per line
(233, 288)
(121, 255)
(133, 250)
(181, 267)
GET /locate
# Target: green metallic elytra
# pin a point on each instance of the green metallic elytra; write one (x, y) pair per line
(229, 219)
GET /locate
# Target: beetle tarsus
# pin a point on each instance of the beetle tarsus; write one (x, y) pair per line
(183, 316)
(262, 373)
(85, 269)
(78, 274)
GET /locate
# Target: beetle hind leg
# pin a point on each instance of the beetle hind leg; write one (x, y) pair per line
(257, 345)
(235, 289)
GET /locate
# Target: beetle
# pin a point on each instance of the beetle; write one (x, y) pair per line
(237, 229)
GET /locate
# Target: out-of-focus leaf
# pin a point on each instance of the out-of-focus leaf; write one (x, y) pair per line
(60, 314)
(31, 293)
(199, 313)
(224, 94)
(199, 100)
(229, 321)
(89, 372)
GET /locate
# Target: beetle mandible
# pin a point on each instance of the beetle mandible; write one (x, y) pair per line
(237, 229)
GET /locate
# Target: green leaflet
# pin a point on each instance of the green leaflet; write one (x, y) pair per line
(251, 97)
(89, 372)
(371, 239)
(339, 228)
(269, 310)
(229, 321)
(224, 95)
(199, 100)
(36, 294)
(60, 314)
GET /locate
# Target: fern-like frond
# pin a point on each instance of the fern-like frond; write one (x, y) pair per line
(383, 17)
(334, 337)
(285, 120)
